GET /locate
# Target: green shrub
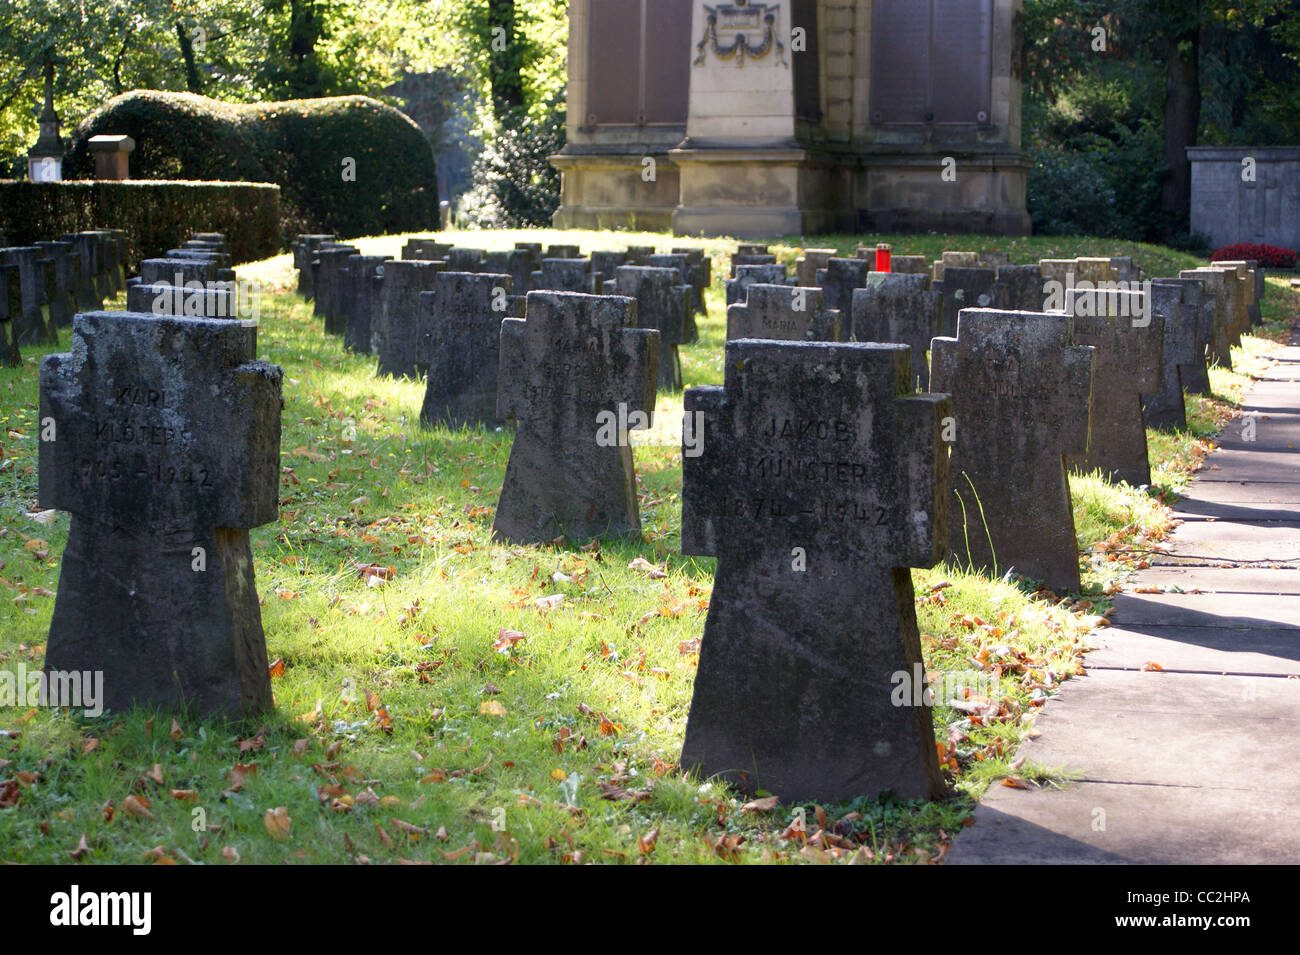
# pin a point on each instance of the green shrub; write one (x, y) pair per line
(156, 216)
(1100, 185)
(515, 184)
(301, 145)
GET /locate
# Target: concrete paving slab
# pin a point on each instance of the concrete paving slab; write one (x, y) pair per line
(1242, 492)
(1213, 542)
(1220, 611)
(1193, 510)
(1246, 653)
(1229, 580)
(1268, 467)
(1271, 432)
(1137, 824)
(1172, 729)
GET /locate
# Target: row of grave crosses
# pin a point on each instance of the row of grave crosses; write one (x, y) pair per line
(435, 313)
(824, 477)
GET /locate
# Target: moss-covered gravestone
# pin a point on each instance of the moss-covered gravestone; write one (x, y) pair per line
(1166, 408)
(746, 275)
(365, 277)
(784, 313)
(32, 325)
(964, 287)
(839, 279)
(10, 306)
(663, 303)
(1222, 293)
(1129, 339)
(819, 484)
(1021, 398)
(395, 322)
(330, 284)
(902, 309)
(460, 342)
(164, 443)
(577, 375)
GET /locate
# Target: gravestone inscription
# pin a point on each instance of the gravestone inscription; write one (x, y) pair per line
(784, 313)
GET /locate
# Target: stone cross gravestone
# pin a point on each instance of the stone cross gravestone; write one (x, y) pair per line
(1021, 398)
(87, 249)
(1196, 308)
(365, 277)
(1242, 283)
(746, 275)
(907, 264)
(425, 250)
(784, 313)
(565, 275)
(32, 325)
(818, 486)
(665, 305)
(750, 258)
(811, 262)
(1166, 407)
(607, 262)
(63, 301)
(166, 450)
(11, 304)
(215, 301)
(460, 327)
(177, 271)
(516, 263)
(965, 288)
(330, 283)
(1129, 340)
(395, 322)
(1253, 289)
(1021, 288)
(1223, 293)
(576, 374)
(305, 248)
(699, 273)
(465, 260)
(901, 309)
(839, 280)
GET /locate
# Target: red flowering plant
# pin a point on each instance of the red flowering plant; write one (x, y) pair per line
(1268, 256)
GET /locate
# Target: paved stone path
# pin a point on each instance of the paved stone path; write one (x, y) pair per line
(1197, 763)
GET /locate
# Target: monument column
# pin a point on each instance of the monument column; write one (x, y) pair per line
(742, 169)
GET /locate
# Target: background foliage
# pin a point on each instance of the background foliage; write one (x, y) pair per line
(299, 144)
(1108, 125)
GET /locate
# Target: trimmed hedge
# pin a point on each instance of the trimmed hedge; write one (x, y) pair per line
(300, 144)
(156, 216)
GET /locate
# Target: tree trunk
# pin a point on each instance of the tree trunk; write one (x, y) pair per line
(193, 82)
(505, 59)
(1182, 119)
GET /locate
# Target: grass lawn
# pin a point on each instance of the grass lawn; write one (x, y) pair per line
(443, 698)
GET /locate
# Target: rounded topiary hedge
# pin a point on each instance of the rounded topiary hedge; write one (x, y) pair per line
(304, 146)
